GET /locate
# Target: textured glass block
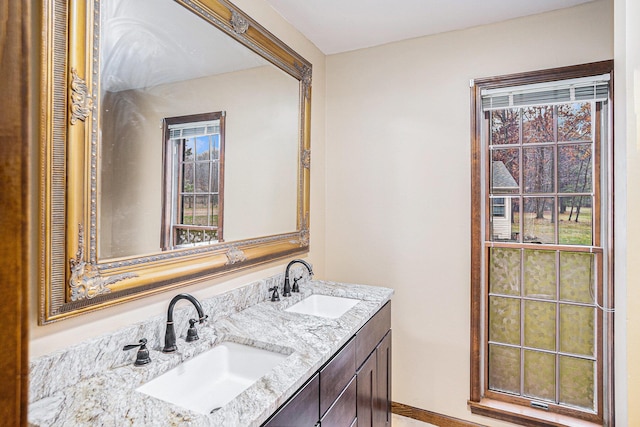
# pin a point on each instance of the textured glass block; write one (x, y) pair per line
(540, 274)
(539, 375)
(505, 171)
(537, 124)
(504, 320)
(504, 271)
(577, 277)
(575, 220)
(540, 325)
(505, 126)
(575, 168)
(538, 220)
(538, 170)
(577, 329)
(504, 369)
(574, 122)
(577, 382)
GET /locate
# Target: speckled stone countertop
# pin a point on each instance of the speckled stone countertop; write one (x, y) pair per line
(94, 383)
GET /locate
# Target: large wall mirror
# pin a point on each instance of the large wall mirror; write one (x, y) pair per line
(175, 147)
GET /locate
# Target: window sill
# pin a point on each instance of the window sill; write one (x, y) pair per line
(525, 416)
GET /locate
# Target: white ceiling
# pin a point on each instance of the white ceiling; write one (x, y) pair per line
(336, 26)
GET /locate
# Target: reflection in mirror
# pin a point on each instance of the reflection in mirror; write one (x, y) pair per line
(193, 177)
(157, 61)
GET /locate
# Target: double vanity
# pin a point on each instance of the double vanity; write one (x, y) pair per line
(321, 355)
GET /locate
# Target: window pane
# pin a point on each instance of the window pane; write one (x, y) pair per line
(505, 171)
(575, 224)
(537, 124)
(504, 368)
(540, 325)
(215, 180)
(577, 329)
(187, 210)
(574, 122)
(505, 219)
(539, 224)
(574, 168)
(214, 210)
(540, 274)
(504, 271)
(189, 148)
(539, 375)
(202, 177)
(577, 385)
(215, 147)
(505, 127)
(203, 148)
(504, 320)
(187, 178)
(576, 277)
(538, 170)
(201, 210)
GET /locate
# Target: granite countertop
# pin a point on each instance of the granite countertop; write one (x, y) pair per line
(94, 383)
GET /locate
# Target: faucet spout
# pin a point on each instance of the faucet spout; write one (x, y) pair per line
(170, 333)
(286, 291)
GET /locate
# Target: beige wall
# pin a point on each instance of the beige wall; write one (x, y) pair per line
(261, 156)
(45, 339)
(398, 179)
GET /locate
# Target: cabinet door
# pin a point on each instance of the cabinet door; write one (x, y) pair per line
(343, 411)
(366, 391)
(302, 410)
(383, 378)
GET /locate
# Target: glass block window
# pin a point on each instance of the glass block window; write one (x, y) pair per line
(194, 164)
(543, 325)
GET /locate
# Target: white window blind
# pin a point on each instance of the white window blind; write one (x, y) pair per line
(594, 88)
(191, 130)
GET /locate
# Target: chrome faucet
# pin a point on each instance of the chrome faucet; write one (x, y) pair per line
(170, 333)
(287, 289)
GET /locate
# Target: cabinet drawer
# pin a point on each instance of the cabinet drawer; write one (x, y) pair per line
(301, 410)
(343, 412)
(336, 374)
(368, 337)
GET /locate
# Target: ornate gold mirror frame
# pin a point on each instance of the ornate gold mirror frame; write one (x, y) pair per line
(73, 279)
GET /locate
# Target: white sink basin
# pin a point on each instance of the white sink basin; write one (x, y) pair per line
(213, 378)
(323, 306)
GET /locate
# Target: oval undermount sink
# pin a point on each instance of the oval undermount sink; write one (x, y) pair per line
(212, 379)
(323, 306)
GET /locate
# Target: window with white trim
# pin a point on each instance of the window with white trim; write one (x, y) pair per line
(193, 180)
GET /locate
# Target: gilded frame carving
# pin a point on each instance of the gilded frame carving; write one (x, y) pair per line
(72, 278)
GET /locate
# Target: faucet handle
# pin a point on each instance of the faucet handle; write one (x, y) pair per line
(275, 296)
(192, 333)
(142, 358)
(296, 287)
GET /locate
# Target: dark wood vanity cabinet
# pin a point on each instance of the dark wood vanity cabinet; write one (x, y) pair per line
(301, 410)
(373, 349)
(352, 389)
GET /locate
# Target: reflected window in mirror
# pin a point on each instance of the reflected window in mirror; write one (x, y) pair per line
(193, 180)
